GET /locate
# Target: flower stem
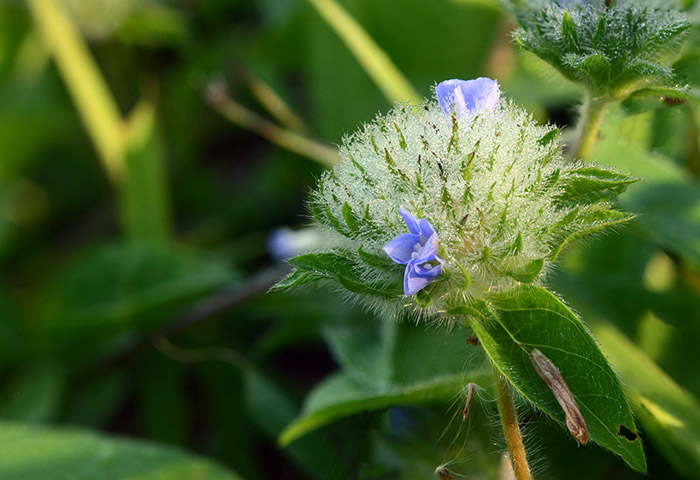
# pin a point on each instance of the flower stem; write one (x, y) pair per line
(588, 126)
(511, 429)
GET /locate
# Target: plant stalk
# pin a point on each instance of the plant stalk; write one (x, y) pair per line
(511, 429)
(324, 154)
(128, 149)
(85, 83)
(588, 126)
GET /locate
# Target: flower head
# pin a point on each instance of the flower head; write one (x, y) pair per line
(487, 197)
(468, 96)
(615, 49)
(418, 250)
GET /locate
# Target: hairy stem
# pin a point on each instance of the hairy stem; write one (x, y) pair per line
(588, 126)
(511, 429)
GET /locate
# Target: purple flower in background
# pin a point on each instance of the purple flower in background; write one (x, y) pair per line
(285, 243)
(468, 96)
(416, 250)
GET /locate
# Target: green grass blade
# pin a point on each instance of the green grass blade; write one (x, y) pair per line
(373, 59)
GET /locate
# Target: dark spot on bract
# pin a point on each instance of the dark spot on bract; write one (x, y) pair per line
(674, 101)
(626, 433)
(473, 340)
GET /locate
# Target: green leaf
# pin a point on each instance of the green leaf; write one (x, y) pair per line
(667, 198)
(364, 348)
(568, 30)
(381, 262)
(37, 453)
(674, 93)
(528, 273)
(549, 137)
(335, 266)
(36, 394)
(120, 287)
(591, 185)
(297, 278)
(580, 224)
(668, 413)
(427, 366)
(327, 264)
(597, 69)
(339, 396)
(530, 317)
(350, 218)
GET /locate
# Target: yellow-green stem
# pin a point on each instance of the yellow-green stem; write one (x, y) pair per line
(128, 150)
(588, 126)
(511, 429)
(374, 60)
(84, 81)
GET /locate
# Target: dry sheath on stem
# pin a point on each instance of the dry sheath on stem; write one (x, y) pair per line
(554, 379)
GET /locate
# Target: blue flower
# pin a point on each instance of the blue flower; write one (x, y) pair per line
(468, 96)
(416, 250)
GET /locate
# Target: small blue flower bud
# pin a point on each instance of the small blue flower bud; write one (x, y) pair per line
(468, 96)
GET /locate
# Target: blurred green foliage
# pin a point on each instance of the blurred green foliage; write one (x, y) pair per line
(138, 308)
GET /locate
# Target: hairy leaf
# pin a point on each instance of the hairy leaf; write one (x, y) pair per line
(590, 185)
(530, 317)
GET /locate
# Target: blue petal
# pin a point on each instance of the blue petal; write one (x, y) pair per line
(425, 229)
(413, 283)
(401, 247)
(468, 96)
(421, 271)
(417, 278)
(411, 221)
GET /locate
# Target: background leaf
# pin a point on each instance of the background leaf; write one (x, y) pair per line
(669, 414)
(62, 454)
(440, 374)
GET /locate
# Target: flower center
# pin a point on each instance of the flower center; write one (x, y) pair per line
(416, 250)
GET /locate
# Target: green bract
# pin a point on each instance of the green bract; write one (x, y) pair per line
(616, 51)
(495, 186)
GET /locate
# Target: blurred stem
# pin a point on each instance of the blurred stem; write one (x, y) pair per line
(501, 62)
(588, 126)
(511, 429)
(199, 355)
(85, 84)
(272, 102)
(129, 151)
(145, 202)
(374, 60)
(294, 142)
